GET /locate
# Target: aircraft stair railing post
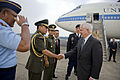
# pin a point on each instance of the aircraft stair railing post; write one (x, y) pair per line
(105, 54)
(99, 25)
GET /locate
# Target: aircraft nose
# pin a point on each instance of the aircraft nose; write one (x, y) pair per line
(56, 22)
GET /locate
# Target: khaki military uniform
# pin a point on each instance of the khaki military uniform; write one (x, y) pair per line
(50, 44)
(35, 64)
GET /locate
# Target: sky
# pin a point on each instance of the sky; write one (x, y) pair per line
(36, 10)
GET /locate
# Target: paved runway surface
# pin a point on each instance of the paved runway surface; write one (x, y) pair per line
(110, 70)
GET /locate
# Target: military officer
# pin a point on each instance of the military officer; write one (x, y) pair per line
(10, 42)
(35, 64)
(50, 44)
(72, 41)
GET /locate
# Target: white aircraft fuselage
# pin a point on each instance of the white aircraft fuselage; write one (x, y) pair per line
(108, 12)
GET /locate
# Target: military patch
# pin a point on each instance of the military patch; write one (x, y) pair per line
(72, 38)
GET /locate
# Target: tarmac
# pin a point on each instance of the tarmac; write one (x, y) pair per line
(110, 70)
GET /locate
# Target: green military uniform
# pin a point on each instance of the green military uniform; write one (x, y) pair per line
(50, 45)
(35, 64)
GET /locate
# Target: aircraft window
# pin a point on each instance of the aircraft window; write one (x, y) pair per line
(118, 17)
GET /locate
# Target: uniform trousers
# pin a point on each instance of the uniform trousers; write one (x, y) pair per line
(7, 73)
(48, 72)
(34, 76)
(71, 64)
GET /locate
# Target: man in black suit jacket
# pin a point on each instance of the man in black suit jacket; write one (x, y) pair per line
(72, 41)
(89, 54)
(57, 49)
(113, 49)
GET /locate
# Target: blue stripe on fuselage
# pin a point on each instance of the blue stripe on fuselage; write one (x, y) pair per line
(83, 18)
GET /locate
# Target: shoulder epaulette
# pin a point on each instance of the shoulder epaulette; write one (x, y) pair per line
(3, 24)
(40, 36)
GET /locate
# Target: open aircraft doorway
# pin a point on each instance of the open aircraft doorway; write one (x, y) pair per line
(96, 16)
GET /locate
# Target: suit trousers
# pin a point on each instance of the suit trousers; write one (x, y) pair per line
(114, 55)
(54, 67)
(34, 76)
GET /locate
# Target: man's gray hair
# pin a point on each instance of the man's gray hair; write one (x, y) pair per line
(88, 26)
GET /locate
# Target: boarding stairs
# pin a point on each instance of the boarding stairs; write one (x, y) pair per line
(103, 39)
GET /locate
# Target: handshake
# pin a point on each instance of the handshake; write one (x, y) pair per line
(60, 56)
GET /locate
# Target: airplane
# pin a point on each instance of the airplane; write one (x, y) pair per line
(109, 12)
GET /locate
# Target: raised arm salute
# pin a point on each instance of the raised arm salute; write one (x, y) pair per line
(9, 41)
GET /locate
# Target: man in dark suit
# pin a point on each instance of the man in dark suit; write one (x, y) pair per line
(113, 49)
(72, 41)
(57, 49)
(89, 54)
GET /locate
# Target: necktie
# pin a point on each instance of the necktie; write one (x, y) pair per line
(57, 42)
(82, 43)
(78, 35)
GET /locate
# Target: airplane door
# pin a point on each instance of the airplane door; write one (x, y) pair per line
(89, 17)
(96, 16)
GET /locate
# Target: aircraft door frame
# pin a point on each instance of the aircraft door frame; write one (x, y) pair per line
(89, 17)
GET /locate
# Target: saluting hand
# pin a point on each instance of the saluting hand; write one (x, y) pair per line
(21, 20)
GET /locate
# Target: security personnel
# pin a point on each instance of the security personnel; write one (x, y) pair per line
(35, 64)
(72, 41)
(113, 49)
(50, 44)
(9, 41)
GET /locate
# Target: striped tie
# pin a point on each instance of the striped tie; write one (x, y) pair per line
(82, 43)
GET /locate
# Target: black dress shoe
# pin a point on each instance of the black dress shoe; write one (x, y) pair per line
(55, 77)
(75, 73)
(66, 78)
(114, 61)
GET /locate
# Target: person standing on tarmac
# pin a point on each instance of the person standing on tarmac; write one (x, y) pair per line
(10, 42)
(72, 41)
(50, 44)
(57, 50)
(35, 64)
